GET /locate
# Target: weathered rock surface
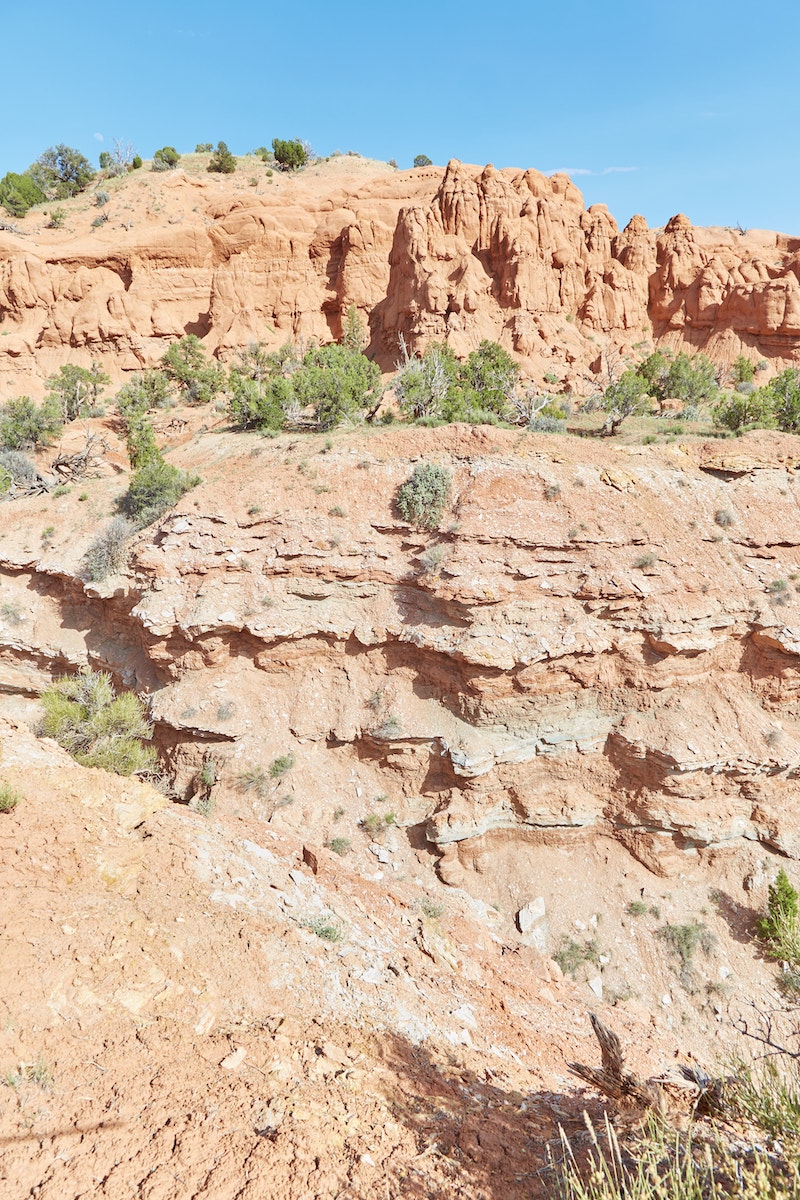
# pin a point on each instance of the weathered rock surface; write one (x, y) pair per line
(459, 254)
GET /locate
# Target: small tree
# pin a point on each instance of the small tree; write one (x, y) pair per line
(222, 161)
(422, 160)
(186, 364)
(354, 335)
(26, 426)
(166, 159)
(338, 382)
(625, 398)
(743, 370)
(75, 389)
(204, 147)
(18, 193)
(784, 394)
(425, 387)
(421, 499)
(782, 908)
(489, 379)
(289, 155)
(61, 172)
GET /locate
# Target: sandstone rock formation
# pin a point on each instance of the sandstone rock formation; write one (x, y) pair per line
(459, 254)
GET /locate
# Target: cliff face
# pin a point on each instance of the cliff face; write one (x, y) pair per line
(461, 254)
(597, 643)
(576, 704)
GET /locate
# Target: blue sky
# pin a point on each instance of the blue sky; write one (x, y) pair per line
(654, 107)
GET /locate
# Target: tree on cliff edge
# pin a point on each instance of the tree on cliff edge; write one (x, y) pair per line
(61, 172)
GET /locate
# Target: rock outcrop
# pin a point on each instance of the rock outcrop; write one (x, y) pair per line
(459, 254)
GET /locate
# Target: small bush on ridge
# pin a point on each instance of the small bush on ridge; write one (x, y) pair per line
(421, 499)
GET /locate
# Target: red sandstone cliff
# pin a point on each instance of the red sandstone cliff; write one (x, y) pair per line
(462, 254)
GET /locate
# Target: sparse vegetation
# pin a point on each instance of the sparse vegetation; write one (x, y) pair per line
(96, 726)
(724, 518)
(327, 928)
(254, 779)
(9, 798)
(685, 940)
(106, 554)
(646, 560)
(572, 955)
(281, 766)
(340, 845)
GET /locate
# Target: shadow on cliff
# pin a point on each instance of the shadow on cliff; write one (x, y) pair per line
(740, 919)
(474, 1136)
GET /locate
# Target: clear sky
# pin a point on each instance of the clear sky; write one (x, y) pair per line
(654, 108)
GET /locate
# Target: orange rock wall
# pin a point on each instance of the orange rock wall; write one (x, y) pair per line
(459, 254)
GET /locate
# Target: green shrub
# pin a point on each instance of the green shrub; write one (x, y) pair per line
(338, 383)
(739, 409)
(340, 846)
(16, 470)
(784, 394)
(18, 193)
(166, 159)
(422, 160)
(684, 940)
(96, 726)
(106, 554)
(780, 926)
(136, 162)
(743, 369)
(289, 155)
(438, 387)
(281, 766)
(259, 403)
(25, 425)
(204, 147)
(56, 218)
(421, 500)
(223, 162)
(327, 928)
(572, 955)
(254, 779)
(427, 386)
(186, 365)
(154, 488)
(9, 798)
